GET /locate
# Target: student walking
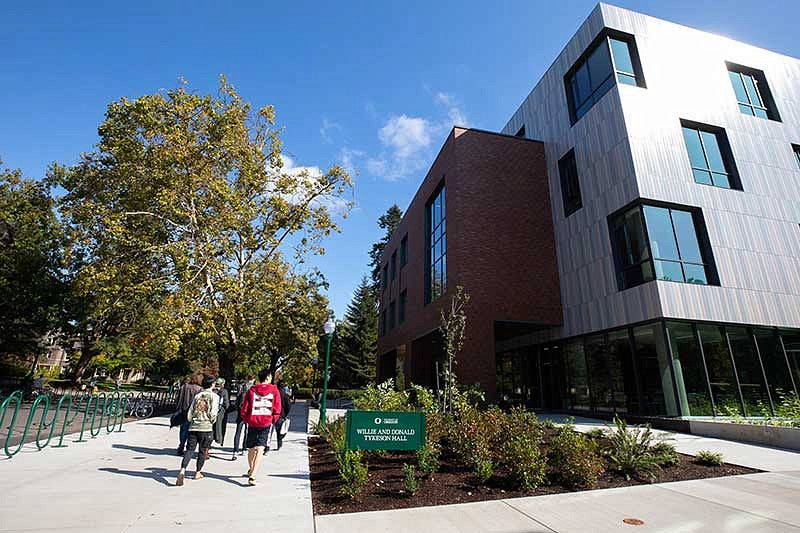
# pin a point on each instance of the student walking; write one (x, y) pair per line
(222, 419)
(185, 397)
(282, 426)
(260, 409)
(240, 425)
(202, 414)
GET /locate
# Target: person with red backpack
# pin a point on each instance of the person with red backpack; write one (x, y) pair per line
(260, 409)
(202, 414)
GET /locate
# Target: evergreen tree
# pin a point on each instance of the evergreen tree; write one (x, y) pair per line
(356, 340)
(387, 222)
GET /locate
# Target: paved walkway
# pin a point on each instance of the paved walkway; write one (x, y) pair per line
(125, 482)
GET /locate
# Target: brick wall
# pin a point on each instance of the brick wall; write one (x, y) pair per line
(500, 247)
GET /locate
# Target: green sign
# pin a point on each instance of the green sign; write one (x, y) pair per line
(385, 430)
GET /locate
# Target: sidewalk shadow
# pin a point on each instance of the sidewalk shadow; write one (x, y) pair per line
(167, 476)
(143, 449)
(291, 476)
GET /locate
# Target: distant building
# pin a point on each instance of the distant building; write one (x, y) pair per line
(636, 249)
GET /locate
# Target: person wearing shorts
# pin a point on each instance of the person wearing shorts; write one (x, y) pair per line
(261, 408)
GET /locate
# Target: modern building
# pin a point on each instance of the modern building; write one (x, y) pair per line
(673, 181)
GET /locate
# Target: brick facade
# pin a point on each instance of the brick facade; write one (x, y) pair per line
(500, 247)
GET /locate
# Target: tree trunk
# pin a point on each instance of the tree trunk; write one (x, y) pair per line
(87, 354)
(226, 355)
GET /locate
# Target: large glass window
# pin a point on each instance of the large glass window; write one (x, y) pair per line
(748, 369)
(674, 245)
(655, 378)
(392, 315)
(404, 251)
(402, 309)
(570, 185)
(674, 252)
(577, 379)
(597, 365)
(436, 267)
(791, 346)
(393, 265)
(623, 375)
(385, 277)
(382, 327)
(710, 156)
(776, 365)
(752, 92)
(690, 373)
(611, 58)
(720, 370)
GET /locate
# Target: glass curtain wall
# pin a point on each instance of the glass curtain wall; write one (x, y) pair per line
(721, 375)
(577, 397)
(690, 372)
(655, 376)
(597, 365)
(749, 371)
(776, 365)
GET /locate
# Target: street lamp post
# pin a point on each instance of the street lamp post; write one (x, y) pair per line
(328, 328)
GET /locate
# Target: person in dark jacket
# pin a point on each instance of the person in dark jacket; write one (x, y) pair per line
(286, 405)
(222, 418)
(185, 397)
(240, 425)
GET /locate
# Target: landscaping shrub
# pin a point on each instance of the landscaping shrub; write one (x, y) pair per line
(472, 438)
(410, 482)
(708, 458)
(519, 449)
(596, 434)
(665, 454)
(423, 399)
(353, 471)
(573, 460)
(629, 450)
(382, 397)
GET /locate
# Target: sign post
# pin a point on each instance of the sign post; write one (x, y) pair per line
(385, 430)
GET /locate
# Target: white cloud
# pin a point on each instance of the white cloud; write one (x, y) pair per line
(455, 117)
(405, 135)
(335, 204)
(327, 127)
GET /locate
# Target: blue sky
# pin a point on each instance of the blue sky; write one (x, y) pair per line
(374, 84)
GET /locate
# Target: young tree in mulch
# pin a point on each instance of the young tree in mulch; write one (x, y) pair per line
(453, 330)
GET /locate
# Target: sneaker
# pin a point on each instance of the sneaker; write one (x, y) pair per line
(251, 481)
(198, 475)
(179, 481)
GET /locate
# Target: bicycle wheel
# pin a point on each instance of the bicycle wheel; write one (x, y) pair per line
(144, 411)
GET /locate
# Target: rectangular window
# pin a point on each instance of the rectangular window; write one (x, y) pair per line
(570, 184)
(669, 244)
(710, 155)
(436, 249)
(404, 251)
(393, 269)
(796, 149)
(392, 311)
(611, 58)
(382, 326)
(385, 278)
(402, 309)
(752, 92)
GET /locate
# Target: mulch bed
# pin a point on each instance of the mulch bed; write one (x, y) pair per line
(454, 483)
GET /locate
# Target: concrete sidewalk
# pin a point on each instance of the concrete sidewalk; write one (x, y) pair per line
(763, 502)
(125, 482)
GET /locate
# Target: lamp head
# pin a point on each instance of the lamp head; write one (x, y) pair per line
(329, 326)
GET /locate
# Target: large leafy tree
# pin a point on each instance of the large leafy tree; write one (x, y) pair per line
(353, 357)
(31, 280)
(388, 222)
(184, 213)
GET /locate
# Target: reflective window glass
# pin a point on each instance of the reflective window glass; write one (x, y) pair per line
(752, 92)
(710, 165)
(578, 397)
(686, 233)
(622, 56)
(623, 376)
(748, 368)
(597, 364)
(720, 370)
(659, 229)
(655, 377)
(690, 374)
(776, 366)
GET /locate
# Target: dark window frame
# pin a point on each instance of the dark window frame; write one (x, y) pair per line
(520, 132)
(602, 39)
(762, 89)
(401, 308)
(382, 325)
(404, 251)
(570, 185)
(393, 266)
(701, 234)
(430, 294)
(392, 314)
(796, 150)
(385, 276)
(728, 160)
